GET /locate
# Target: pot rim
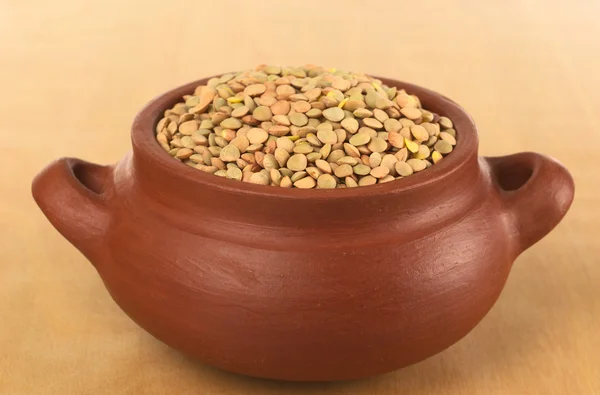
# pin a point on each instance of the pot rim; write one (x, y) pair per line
(144, 143)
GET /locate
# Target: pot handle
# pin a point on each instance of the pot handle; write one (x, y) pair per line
(72, 194)
(537, 192)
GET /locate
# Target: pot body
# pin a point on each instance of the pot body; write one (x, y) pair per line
(341, 299)
(294, 286)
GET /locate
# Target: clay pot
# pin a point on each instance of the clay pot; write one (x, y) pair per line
(305, 284)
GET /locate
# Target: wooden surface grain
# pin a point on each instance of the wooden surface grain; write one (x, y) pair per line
(74, 73)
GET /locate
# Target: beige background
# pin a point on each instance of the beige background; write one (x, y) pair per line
(73, 73)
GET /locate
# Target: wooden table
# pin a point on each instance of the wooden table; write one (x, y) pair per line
(73, 74)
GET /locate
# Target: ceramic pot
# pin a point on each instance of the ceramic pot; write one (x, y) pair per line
(305, 284)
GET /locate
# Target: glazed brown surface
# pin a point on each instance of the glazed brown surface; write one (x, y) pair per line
(313, 285)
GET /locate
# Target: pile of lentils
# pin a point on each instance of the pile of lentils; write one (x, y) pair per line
(304, 127)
